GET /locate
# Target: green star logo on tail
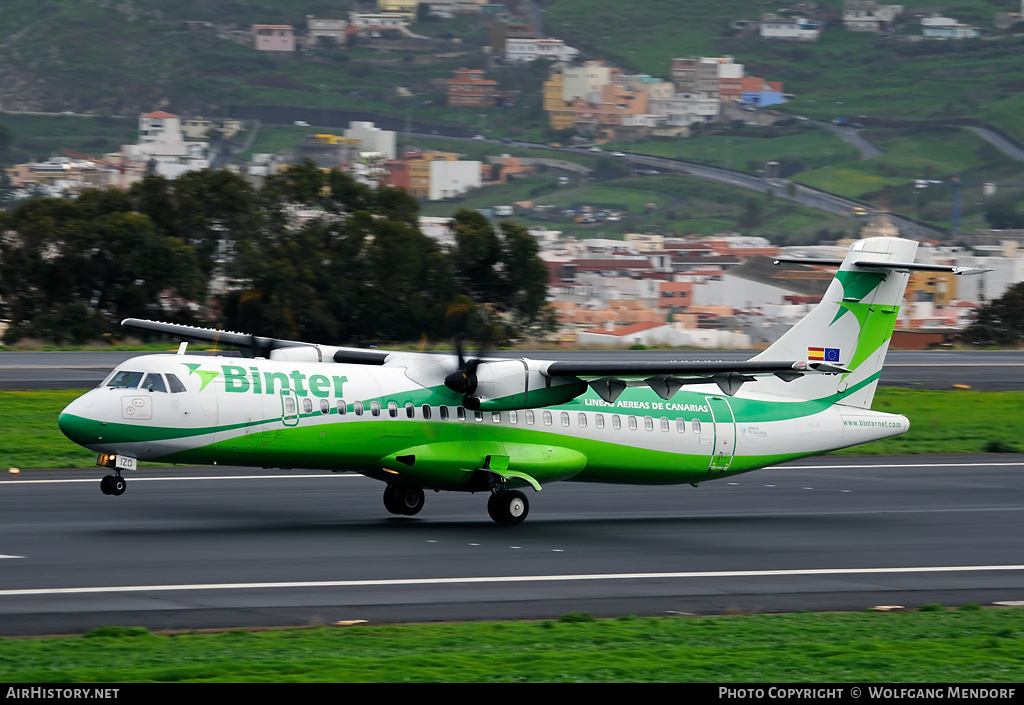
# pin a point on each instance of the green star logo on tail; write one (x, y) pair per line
(205, 375)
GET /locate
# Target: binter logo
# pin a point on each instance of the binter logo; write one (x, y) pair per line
(205, 375)
(239, 380)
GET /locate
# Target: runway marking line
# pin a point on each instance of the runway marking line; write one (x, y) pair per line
(511, 579)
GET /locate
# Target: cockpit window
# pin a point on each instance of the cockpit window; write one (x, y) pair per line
(175, 384)
(124, 378)
(154, 383)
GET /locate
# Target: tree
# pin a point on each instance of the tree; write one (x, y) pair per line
(999, 322)
(71, 270)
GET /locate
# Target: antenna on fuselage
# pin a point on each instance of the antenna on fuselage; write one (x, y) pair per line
(182, 346)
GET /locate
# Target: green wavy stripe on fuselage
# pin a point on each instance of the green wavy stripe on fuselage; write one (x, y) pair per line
(360, 446)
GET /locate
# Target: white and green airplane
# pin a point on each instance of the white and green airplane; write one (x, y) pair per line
(421, 422)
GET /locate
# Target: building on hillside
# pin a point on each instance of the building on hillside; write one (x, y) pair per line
(449, 179)
(274, 37)
(798, 28)
(936, 27)
(869, 16)
(199, 128)
(372, 24)
(699, 74)
(325, 31)
(527, 49)
(161, 150)
(685, 109)
(470, 89)
(328, 151)
(586, 80)
(406, 8)
(500, 32)
(371, 138)
(761, 93)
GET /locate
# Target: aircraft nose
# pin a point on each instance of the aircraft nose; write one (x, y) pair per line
(73, 418)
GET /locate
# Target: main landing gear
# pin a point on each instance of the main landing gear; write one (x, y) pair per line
(399, 499)
(508, 506)
(113, 484)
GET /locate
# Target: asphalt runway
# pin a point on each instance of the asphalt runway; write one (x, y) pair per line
(189, 548)
(939, 369)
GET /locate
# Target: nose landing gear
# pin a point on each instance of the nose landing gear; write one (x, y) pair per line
(113, 484)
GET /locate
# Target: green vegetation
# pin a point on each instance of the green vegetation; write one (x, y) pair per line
(984, 422)
(937, 646)
(78, 267)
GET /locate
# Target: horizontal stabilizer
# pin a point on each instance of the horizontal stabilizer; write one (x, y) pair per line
(898, 266)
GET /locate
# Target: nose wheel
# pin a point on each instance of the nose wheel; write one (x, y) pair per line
(113, 484)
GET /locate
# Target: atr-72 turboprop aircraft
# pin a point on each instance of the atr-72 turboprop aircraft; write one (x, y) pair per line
(442, 422)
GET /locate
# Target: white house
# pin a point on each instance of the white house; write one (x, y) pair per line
(449, 179)
(798, 28)
(937, 27)
(372, 138)
(521, 51)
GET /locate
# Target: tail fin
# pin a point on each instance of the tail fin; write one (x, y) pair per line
(851, 326)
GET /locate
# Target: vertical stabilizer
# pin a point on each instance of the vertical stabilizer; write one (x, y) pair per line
(851, 326)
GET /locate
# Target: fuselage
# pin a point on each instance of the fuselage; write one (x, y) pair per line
(377, 421)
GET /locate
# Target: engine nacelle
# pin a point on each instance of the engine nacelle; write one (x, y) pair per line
(504, 385)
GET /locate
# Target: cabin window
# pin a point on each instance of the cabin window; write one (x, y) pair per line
(648, 423)
(599, 420)
(375, 408)
(632, 423)
(478, 416)
(443, 412)
(565, 418)
(358, 408)
(529, 417)
(175, 384)
(496, 416)
(461, 412)
(582, 420)
(547, 418)
(289, 406)
(616, 422)
(307, 405)
(664, 424)
(410, 411)
(392, 409)
(123, 378)
(513, 416)
(154, 383)
(681, 425)
(325, 407)
(695, 425)
(342, 407)
(426, 411)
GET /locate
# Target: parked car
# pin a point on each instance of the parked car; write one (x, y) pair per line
(479, 137)
(594, 149)
(618, 154)
(301, 123)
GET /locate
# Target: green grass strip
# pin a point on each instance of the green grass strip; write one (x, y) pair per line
(968, 645)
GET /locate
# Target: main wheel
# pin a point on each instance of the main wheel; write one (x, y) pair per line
(117, 485)
(105, 484)
(411, 499)
(508, 507)
(391, 496)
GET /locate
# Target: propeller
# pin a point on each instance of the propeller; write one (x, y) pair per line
(463, 380)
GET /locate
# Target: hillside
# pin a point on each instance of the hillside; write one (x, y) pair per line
(130, 56)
